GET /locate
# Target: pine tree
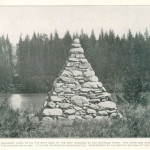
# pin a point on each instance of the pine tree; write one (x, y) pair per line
(133, 74)
(20, 60)
(67, 41)
(6, 64)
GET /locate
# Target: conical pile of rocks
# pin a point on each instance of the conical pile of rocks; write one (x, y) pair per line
(77, 92)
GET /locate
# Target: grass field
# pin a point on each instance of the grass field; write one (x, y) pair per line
(135, 123)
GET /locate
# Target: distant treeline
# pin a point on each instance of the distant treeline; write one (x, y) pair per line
(6, 65)
(114, 59)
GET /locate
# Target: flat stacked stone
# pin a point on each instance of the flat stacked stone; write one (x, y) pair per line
(77, 92)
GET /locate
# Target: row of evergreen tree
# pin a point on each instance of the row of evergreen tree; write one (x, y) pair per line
(112, 57)
(6, 64)
(119, 62)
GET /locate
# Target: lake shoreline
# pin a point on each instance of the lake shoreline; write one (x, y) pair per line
(35, 101)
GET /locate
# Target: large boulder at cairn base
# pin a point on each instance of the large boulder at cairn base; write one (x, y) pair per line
(46, 123)
(88, 117)
(99, 118)
(107, 105)
(114, 115)
(72, 117)
(35, 120)
(103, 113)
(52, 112)
(77, 92)
(70, 111)
(45, 119)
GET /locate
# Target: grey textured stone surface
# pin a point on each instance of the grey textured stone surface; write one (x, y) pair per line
(77, 93)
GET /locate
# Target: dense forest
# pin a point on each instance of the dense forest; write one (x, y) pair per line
(6, 64)
(119, 62)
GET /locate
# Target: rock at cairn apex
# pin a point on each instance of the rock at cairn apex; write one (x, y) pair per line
(76, 47)
(77, 93)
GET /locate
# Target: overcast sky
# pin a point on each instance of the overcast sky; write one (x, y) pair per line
(26, 20)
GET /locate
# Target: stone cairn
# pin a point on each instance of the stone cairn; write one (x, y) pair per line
(77, 93)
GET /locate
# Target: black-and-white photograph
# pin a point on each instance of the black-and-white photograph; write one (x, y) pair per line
(74, 71)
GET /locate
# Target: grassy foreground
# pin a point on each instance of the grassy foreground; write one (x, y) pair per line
(135, 123)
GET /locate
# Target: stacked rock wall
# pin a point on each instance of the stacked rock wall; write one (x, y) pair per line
(77, 92)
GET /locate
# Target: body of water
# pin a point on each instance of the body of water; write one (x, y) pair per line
(34, 102)
(24, 102)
